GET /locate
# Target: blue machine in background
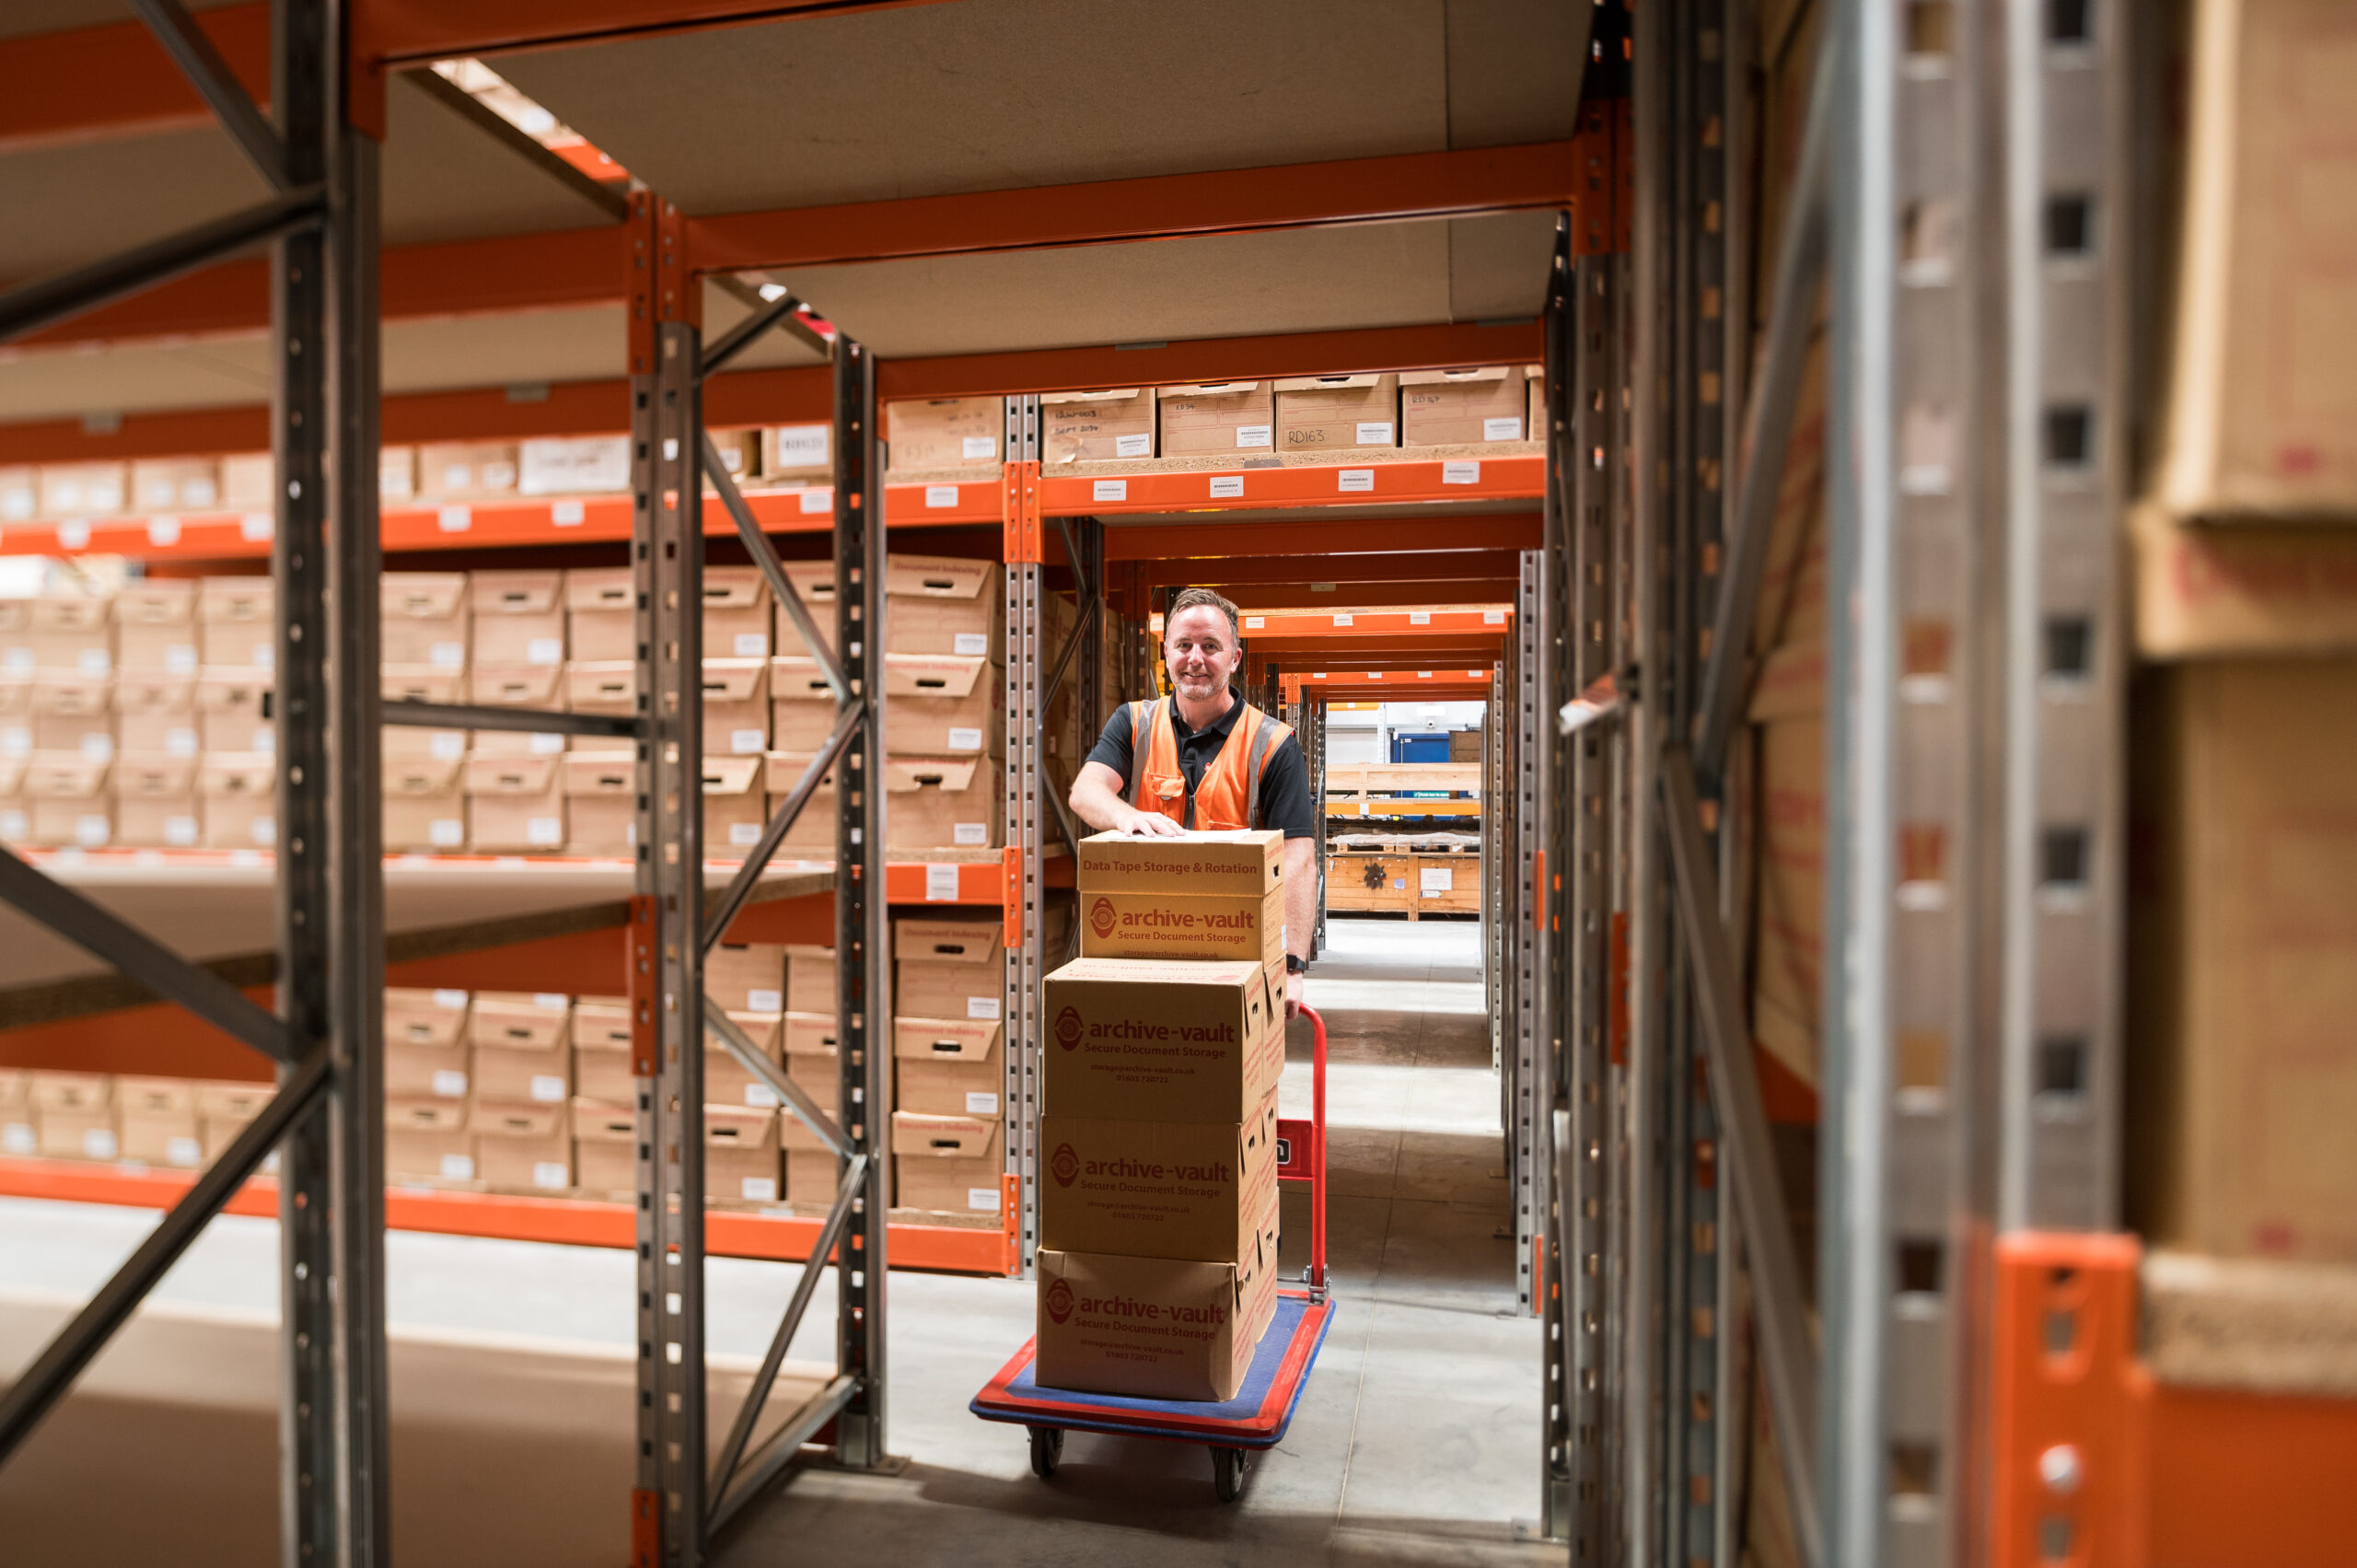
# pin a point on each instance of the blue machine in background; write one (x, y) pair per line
(1432, 747)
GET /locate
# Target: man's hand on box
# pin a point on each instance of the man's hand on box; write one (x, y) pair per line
(1149, 824)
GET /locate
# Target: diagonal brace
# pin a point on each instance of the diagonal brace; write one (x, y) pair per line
(1787, 1349)
(829, 1233)
(758, 858)
(46, 1381)
(767, 313)
(191, 50)
(717, 1022)
(102, 934)
(757, 544)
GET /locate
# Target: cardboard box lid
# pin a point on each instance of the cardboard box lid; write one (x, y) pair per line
(518, 685)
(153, 775)
(417, 1113)
(12, 773)
(810, 1034)
(155, 1096)
(943, 775)
(69, 612)
(1247, 862)
(62, 776)
(154, 692)
(947, 941)
(931, 675)
(236, 599)
(917, 1135)
(1326, 383)
(421, 775)
(946, 1040)
(418, 683)
(763, 1030)
(69, 693)
(734, 680)
(726, 776)
(1437, 377)
(519, 1019)
(601, 1023)
(603, 685)
(423, 596)
(594, 775)
(218, 1097)
(520, 1118)
(735, 587)
(228, 776)
(1209, 389)
(599, 587)
(594, 1122)
(535, 591)
(739, 1127)
(441, 1011)
(1105, 395)
(934, 576)
(157, 601)
(228, 689)
(781, 771)
(511, 774)
(797, 677)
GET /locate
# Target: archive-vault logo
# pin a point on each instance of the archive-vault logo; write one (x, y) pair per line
(1066, 1166)
(1059, 1300)
(1101, 918)
(1069, 1028)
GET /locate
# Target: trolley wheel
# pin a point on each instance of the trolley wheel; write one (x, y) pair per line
(1227, 1472)
(1047, 1448)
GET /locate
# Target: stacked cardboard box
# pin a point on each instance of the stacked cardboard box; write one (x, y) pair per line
(1158, 1203)
(425, 632)
(1091, 426)
(1464, 408)
(429, 1086)
(946, 1028)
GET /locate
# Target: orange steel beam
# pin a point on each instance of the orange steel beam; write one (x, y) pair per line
(87, 84)
(412, 31)
(1342, 191)
(1417, 628)
(1323, 536)
(1288, 574)
(1433, 591)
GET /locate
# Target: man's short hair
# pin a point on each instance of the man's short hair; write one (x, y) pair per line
(1197, 598)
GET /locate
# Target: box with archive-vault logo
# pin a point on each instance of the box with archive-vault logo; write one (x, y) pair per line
(1195, 896)
(1130, 1039)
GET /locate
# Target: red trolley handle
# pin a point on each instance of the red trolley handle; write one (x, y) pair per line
(1316, 1154)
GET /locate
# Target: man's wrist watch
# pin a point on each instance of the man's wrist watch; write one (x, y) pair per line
(1296, 964)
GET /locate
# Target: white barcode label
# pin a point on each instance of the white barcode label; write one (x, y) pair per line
(17, 1138)
(1494, 618)
(1420, 618)
(1134, 445)
(566, 515)
(449, 999)
(179, 742)
(941, 887)
(982, 1007)
(446, 832)
(969, 835)
(450, 655)
(458, 1167)
(802, 445)
(1502, 430)
(940, 498)
(179, 832)
(761, 1000)
(971, 645)
(1343, 619)
(546, 745)
(551, 1174)
(760, 1097)
(450, 1083)
(1252, 435)
(744, 835)
(961, 739)
(1460, 473)
(547, 1088)
(183, 1151)
(454, 519)
(180, 658)
(544, 832)
(752, 644)
(1435, 879)
(163, 531)
(818, 499)
(760, 1189)
(743, 742)
(264, 831)
(98, 748)
(256, 525)
(1375, 433)
(975, 446)
(1354, 480)
(981, 1102)
(95, 661)
(1109, 490)
(544, 650)
(1227, 487)
(982, 1200)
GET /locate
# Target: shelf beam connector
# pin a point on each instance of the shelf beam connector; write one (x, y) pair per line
(140, 958)
(1787, 1352)
(1767, 420)
(191, 50)
(53, 1372)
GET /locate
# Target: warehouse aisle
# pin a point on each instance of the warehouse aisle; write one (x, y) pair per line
(1417, 1440)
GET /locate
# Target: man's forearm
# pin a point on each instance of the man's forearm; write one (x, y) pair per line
(1095, 804)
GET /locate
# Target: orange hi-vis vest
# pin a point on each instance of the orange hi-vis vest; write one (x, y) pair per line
(1229, 795)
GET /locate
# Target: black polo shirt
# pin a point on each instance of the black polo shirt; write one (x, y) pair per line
(1285, 778)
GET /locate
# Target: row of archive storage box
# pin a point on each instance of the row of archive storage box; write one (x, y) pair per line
(137, 713)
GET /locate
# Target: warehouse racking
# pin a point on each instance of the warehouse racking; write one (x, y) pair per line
(1971, 1074)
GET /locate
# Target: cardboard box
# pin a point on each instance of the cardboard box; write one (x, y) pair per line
(942, 802)
(944, 433)
(1157, 1188)
(69, 1091)
(225, 1109)
(933, 604)
(427, 1016)
(528, 1147)
(522, 1078)
(603, 686)
(153, 712)
(71, 712)
(155, 801)
(1156, 1328)
(951, 968)
(466, 470)
(736, 613)
(1148, 924)
(170, 1137)
(65, 800)
(428, 1071)
(573, 465)
(522, 1020)
(729, 1082)
(949, 1087)
(249, 482)
(19, 493)
(741, 453)
(740, 1158)
(801, 453)
(1463, 408)
(424, 810)
(1211, 418)
(2241, 1066)
(600, 804)
(1199, 1041)
(516, 685)
(425, 620)
(154, 620)
(77, 1134)
(602, 614)
(85, 650)
(942, 705)
(84, 490)
(1242, 862)
(518, 618)
(515, 805)
(747, 976)
(176, 484)
(2237, 589)
(1788, 944)
(735, 809)
(236, 622)
(605, 1148)
(917, 1136)
(431, 1156)
(736, 706)
(2263, 385)
(965, 1187)
(602, 1051)
(809, 980)
(963, 1040)
(1088, 426)
(1317, 413)
(396, 473)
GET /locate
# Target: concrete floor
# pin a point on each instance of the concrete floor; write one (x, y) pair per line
(1417, 1440)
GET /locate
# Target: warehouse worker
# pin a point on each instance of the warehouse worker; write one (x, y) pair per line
(1204, 757)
